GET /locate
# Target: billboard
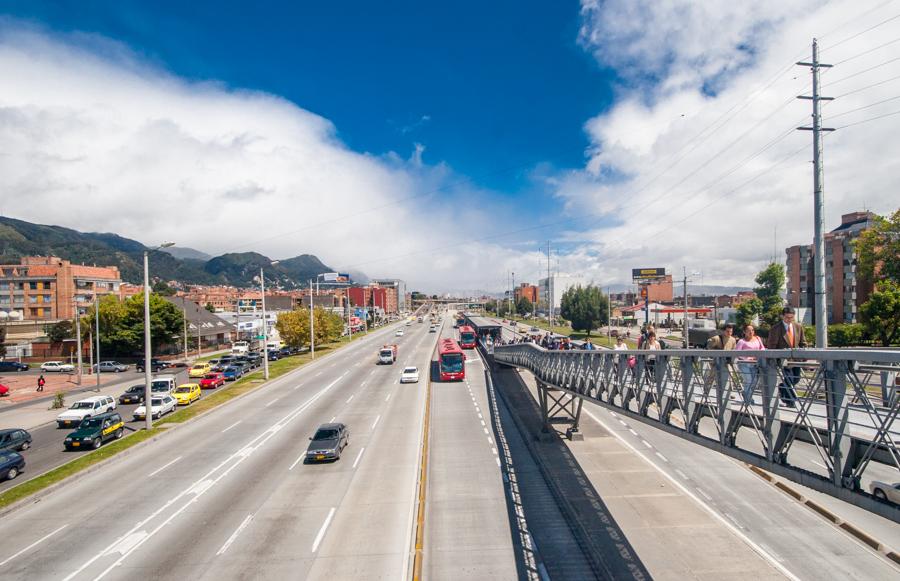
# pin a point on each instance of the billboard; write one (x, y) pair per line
(647, 273)
(335, 277)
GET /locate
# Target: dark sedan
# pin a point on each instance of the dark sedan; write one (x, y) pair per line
(155, 365)
(11, 465)
(13, 366)
(14, 440)
(232, 372)
(328, 443)
(134, 394)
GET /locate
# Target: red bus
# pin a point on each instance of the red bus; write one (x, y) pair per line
(451, 361)
(467, 337)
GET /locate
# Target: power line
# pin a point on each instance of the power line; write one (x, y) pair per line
(865, 52)
(873, 27)
(842, 79)
(865, 107)
(867, 87)
(891, 114)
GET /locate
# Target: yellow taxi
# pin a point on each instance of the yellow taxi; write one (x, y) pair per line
(199, 369)
(187, 393)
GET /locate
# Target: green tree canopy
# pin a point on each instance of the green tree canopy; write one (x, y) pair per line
(771, 282)
(210, 308)
(122, 324)
(294, 327)
(524, 306)
(881, 313)
(878, 248)
(61, 331)
(586, 307)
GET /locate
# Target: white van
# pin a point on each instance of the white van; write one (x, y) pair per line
(161, 384)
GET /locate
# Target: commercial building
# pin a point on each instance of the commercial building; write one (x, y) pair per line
(48, 288)
(399, 292)
(845, 291)
(660, 290)
(554, 286)
(526, 290)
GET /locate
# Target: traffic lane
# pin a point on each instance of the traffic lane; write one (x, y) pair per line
(802, 541)
(137, 487)
(467, 530)
(257, 515)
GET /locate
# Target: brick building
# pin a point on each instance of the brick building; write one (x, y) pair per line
(661, 290)
(845, 292)
(48, 288)
(527, 290)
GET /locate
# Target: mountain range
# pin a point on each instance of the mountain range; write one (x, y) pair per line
(19, 238)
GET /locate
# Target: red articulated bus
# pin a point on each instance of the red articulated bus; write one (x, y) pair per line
(467, 337)
(451, 361)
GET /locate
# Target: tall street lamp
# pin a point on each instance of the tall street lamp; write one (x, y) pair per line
(148, 401)
(265, 324)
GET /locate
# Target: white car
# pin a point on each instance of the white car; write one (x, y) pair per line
(886, 491)
(410, 375)
(57, 366)
(159, 406)
(84, 409)
(399, 333)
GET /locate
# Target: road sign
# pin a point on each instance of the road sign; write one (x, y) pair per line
(260, 337)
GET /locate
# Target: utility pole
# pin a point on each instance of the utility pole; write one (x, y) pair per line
(97, 318)
(685, 325)
(549, 289)
(184, 324)
(265, 326)
(608, 316)
(312, 322)
(148, 391)
(80, 344)
(512, 294)
(818, 196)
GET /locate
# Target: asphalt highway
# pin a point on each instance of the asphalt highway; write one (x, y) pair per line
(228, 495)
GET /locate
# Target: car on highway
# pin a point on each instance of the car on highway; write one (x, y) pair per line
(134, 394)
(199, 370)
(187, 393)
(57, 367)
(85, 408)
(232, 373)
(11, 465)
(212, 380)
(156, 365)
(272, 355)
(164, 383)
(885, 491)
(399, 333)
(14, 440)
(92, 432)
(110, 367)
(410, 375)
(328, 443)
(255, 359)
(4, 390)
(13, 366)
(534, 330)
(159, 406)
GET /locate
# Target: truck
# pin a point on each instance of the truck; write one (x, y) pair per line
(240, 348)
(387, 354)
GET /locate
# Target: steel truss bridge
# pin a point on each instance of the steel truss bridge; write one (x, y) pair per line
(845, 407)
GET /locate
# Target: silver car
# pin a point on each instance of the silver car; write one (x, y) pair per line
(328, 443)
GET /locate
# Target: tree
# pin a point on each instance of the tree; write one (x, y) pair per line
(586, 308)
(770, 281)
(61, 331)
(122, 323)
(210, 308)
(878, 248)
(881, 313)
(294, 327)
(845, 334)
(160, 287)
(524, 306)
(746, 311)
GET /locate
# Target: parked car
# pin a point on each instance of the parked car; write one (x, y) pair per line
(285, 352)
(14, 440)
(92, 432)
(164, 383)
(187, 393)
(199, 370)
(4, 390)
(255, 359)
(159, 406)
(156, 365)
(85, 408)
(328, 443)
(410, 375)
(134, 394)
(13, 366)
(232, 373)
(273, 355)
(57, 367)
(11, 464)
(885, 491)
(110, 367)
(212, 381)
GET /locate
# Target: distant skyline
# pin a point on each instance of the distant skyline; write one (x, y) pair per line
(445, 144)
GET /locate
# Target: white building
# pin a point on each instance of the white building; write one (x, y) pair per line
(556, 285)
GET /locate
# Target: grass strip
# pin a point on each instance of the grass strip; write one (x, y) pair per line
(68, 469)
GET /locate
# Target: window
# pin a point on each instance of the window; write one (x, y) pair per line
(32, 285)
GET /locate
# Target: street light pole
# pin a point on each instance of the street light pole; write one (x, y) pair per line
(265, 326)
(312, 324)
(80, 344)
(97, 319)
(148, 399)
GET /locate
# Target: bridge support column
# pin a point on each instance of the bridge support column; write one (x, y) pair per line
(558, 407)
(837, 408)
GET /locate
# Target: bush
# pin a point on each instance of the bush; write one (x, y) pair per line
(845, 335)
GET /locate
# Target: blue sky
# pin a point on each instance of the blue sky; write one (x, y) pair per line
(491, 88)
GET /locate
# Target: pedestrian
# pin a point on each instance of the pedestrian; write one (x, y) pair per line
(41, 382)
(651, 344)
(620, 344)
(787, 335)
(748, 365)
(724, 341)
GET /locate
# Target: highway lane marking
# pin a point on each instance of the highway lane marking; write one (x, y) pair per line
(231, 426)
(163, 467)
(633, 433)
(332, 419)
(32, 545)
(297, 461)
(623, 423)
(358, 456)
(272, 401)
(322, 530)
(757, 548)
(240, 456)
(648, 444)
(388, 398)
(375, 423)
(234, 535)
(732, 519)
(486, 431)
(682, 474)
(350, 398)
(661, 457)
(318, 374)
(494, 450)
(703, 492)
(482, 422)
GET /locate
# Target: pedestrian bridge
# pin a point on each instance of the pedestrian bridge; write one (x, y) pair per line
(842, 423)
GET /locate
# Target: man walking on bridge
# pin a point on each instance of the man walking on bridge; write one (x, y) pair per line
(788, 335)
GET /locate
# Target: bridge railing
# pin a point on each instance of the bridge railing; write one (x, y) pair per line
(764, 407)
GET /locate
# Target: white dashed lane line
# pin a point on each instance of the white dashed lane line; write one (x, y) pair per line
(231, 426)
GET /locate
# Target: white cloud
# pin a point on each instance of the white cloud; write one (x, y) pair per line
(97, 139)
(678, 171)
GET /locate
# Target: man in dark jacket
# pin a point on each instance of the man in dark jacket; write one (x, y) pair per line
(788, 335)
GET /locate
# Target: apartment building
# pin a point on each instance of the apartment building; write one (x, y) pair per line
(48, 288)
(526, 290)
(845, 291)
